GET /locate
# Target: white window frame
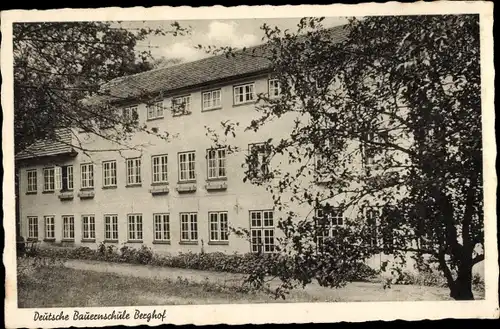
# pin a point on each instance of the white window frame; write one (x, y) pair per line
(262, 231)
(189, 226)
(211, 100)
(159, 166)
(49, 179)
(33, 227)
(187, 166)
(134, 171)
(244, 93)
(161, 223)
(216, 163)
(181, 101)
(49, 227)
(88, 227)
(68, 226)
(261, 155)
(135, 227)
(274, 86)
(155, 111)
(130, 112)
(218, 226)
(373, 226)
(32, 181)
(109, 173)
(87, 175)
(110, 227)
(59, 178)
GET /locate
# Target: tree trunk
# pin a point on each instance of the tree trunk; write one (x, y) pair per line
(461, 289)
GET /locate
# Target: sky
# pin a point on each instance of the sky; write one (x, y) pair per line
(235, 33)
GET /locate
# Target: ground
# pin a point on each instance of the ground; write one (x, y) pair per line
(88, 284)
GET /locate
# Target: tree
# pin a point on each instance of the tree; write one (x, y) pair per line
(387, 111)
(57, 64)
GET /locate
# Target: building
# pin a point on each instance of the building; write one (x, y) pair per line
(173, 197)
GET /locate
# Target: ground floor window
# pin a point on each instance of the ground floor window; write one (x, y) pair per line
(135, 227)
(111, 227)
(50, 227)
(32, 227)
(68, 227)
(88, 222)
(161, 227)
(218, 226)
(328, 219)
(262, 231)
(189, 227)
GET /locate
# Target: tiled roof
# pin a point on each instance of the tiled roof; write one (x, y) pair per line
(59, 145)
(197, 73)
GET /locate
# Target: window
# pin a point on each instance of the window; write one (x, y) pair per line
(262, 231)
(218, 226)
(244, 93)
(87, 170)
(181, 105)
(368, 150)
(159, 168)
(274, 88)
(111, 227)
(64, 178)
(162, 227)
(259, 160)
(216, 162)
(68, 227)
(372, 218)
(189, 227)
(109, 173)
(50, 227)
(32, 227)
(32, 181)
(134, 171)
(187, 170)
(135, 227)
(326, 222)
(130, 113)
(48, 179)
(155, 111)
(211, 99)
(88, 222)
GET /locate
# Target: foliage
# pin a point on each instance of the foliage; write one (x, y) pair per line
(384, 118)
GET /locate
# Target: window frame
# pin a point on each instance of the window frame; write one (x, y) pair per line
(33, 228)
(192, 235)
(138, 234)
(212, 106)
(50, 183)
(136, 171)
(49, 227)
(188, 170)
(68, 227)
(88, 229)
(29, 185)
(262, 229)
(127, 113)
(244, 93)
(161, 227)
(156, 106)
(222, 235)
(160, 166)
(259, 173)
(111, 227)
(89, 181)
(109, 171)
(270, 88)
(217, 160)
(186, 110)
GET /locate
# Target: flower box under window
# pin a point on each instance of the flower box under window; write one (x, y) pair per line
(216, 186)
(66, 195)
(186, 187)
(86, 194)
(159, 189)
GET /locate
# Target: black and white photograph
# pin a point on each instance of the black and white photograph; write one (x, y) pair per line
(302, 164)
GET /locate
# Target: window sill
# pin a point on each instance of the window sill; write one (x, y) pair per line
(133, 185)
(48, 192)
(217, 179)
(88, 240)
(87, 189)
(110, 187)
(192, 243)
(49, 239)
(186, 181)
(212, 109)
(181, 114)
(110, 241)
(154, 119)
(32, 240)
(31, 192)
(68, 240)
(134, 241)
(244, 103)
(218, 243)
(161, 242)
(160, 184)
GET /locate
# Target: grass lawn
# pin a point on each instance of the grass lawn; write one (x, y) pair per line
(66, 287)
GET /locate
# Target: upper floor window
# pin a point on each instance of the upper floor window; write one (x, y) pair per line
(244, 93)
(211, 99)
(216, 163)
(48, 179)
(187, 170)
(258, 162)
(64, 178)
(155, 110)
(130, 113)
(134, 171)
(87, 175)
(159, 163)
(109, 173)
(274, 88)
(32, 185)
(181, 105)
